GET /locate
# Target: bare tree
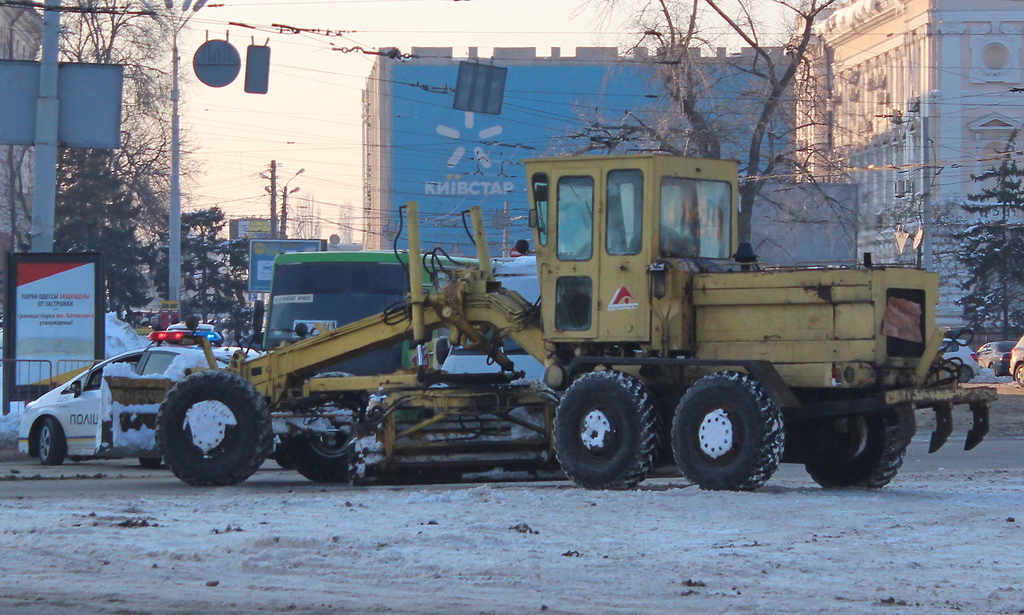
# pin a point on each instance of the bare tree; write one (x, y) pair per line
(105, 32)
(756, 122)
(17, 165)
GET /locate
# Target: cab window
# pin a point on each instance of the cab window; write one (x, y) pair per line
(574, 298)
(624, 222)
(696, 218)
(575, 218)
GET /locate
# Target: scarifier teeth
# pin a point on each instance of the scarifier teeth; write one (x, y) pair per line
(979, 428)
(943, 427)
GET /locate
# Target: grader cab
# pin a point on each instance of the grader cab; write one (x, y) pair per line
(663, 338)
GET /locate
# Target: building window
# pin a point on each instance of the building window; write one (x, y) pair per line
(995, 56)
(995, 59)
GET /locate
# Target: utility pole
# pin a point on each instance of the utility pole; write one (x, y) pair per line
(273, 199)
(284, 213)
(926, 191)
(284, 202)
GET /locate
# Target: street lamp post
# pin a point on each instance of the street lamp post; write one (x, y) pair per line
(284, 203)
(174, 214)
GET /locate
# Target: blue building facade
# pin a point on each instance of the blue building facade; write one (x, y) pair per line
(420, 148)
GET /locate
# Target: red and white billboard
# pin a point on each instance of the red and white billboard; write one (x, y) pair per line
(54, 315)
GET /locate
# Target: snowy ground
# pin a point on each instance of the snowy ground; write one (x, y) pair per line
(108, 537)
(933, 542)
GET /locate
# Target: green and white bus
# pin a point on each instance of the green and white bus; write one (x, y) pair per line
(337, 288)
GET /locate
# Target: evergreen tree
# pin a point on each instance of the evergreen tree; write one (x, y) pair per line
(991, 248)
(214, 270)
(95, 212)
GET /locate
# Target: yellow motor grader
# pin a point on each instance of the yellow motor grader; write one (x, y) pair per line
(663, 339)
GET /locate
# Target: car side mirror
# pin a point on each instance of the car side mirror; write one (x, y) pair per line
(76, 388)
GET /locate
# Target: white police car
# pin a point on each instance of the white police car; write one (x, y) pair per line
(67, 422)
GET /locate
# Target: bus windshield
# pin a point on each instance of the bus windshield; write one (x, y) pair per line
(335, 294)
(332, 289)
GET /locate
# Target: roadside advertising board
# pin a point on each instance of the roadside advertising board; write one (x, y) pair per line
(261, 258)
(54, 319)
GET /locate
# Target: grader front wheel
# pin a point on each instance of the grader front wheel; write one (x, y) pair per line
(213, 428)
(727, 434)
(605, 431)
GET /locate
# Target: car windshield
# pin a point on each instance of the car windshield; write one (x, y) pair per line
(1005, 346)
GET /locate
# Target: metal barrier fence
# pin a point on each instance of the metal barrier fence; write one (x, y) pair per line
(34, 377)
(31, 378)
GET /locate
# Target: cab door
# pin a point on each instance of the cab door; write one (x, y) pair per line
(622, 297)
(570, 253)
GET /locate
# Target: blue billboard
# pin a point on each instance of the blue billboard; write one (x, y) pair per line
(450, 160)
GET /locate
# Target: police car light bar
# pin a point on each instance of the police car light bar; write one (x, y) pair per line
(172, 337)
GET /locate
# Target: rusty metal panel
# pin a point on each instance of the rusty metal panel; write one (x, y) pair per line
(137, 391)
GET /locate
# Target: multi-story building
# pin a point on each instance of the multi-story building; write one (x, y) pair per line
(20, 30)
(915, 96)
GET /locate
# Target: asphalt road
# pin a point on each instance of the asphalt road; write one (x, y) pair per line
(25, 478)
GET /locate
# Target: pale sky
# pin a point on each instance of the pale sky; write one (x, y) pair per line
(311, 117)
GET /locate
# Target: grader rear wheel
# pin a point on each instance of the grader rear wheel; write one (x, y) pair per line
(605, 431)
(213, 428)
(856, 451)
(727, 434)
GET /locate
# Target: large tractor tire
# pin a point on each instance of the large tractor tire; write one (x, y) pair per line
(727, 434)
(855, 451)
(606, 431)
(213, 428)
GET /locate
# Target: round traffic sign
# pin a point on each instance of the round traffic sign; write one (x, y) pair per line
(216, 63)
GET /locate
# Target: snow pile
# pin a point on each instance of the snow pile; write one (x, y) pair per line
(986, 376)
(185, 361)
(9, 427)
(121, 336)
(141, 439)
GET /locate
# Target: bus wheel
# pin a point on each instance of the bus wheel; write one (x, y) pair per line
(606, 431)
(322, 458)
(213, 428)
(151, 463)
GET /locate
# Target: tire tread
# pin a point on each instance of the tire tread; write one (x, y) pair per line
(210, 384)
